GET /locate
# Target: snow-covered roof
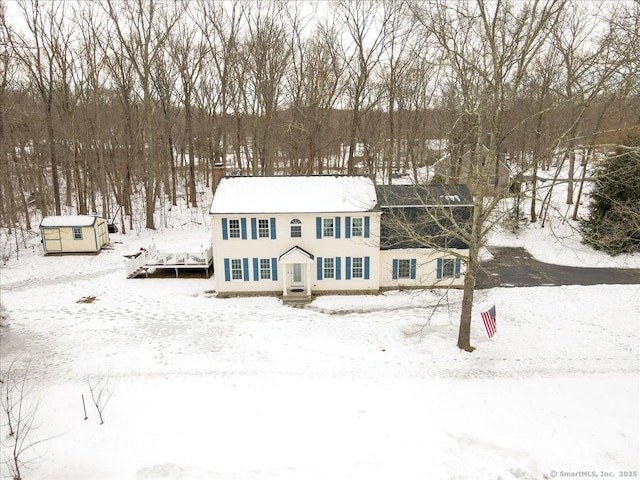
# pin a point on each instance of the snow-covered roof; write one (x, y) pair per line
(68, 221)
(309, 194)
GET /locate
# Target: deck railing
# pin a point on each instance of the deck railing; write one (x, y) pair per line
(152, 257)
(134, 264)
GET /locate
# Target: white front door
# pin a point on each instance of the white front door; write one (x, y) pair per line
(296, 276)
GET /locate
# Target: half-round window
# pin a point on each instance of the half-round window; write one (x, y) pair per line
(296, 228)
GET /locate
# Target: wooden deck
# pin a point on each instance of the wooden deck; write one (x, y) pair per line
(154, 259)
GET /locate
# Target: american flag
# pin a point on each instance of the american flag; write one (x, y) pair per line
(489, 319)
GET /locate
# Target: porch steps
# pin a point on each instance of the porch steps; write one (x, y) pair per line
(296, 299)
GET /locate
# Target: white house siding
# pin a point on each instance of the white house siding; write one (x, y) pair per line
(423, 268)
(339, 247)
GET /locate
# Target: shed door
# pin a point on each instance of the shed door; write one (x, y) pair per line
(52, 240)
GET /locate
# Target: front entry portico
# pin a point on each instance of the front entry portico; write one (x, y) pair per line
(296, 267)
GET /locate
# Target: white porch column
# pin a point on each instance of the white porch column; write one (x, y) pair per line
(309, 268)
(284, 279)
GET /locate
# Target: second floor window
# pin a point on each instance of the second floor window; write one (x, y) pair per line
(356, 227)
(327, 227)
(296, 228)
(234, 228)
(263, 228)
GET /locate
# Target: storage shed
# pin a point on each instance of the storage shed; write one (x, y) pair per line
(74, 234)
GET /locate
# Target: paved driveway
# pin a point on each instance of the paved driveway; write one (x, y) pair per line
(515, 267)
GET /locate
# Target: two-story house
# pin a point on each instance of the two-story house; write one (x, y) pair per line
(295, 235)
(299, 236)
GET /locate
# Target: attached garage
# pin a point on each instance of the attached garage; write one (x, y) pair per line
(74, 234)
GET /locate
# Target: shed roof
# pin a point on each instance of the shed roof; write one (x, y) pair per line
(69, 221)
(294, 194)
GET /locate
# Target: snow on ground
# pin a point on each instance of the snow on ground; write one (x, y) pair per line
(350, 387)
(559, 242)
(556, 239)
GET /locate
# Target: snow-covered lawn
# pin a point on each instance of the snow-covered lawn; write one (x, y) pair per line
(350, 387)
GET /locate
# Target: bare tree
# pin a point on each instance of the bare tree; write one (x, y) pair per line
(544, 70)
(268, 54)
(362, 52)
(221, 24)
(188, 52)
(36, 51)
(20, 409)
(8, 209)
(314, 84)
(487, 49)
(572, 40)
(90, 81)
(397, 30)
(166, 84)
(142, 29)
(101, 392)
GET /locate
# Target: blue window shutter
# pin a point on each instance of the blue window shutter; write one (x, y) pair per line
(319, 264)
(347, 227)
(245, 269)
(395, 269)
(366, 268)
(227, 270)
(366, 227)
(439, 271)
(338, 274)
(254, 229)
(225, 233)
(256, 270)
(272, 221)
(413, 269)
(457, 268)
(347, 268)
(274, 269)
(243, 228)
(318, 227)
(337, 227)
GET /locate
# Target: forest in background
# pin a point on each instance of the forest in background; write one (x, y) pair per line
(103, 101)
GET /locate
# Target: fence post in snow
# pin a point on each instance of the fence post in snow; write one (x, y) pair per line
(84, 406)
